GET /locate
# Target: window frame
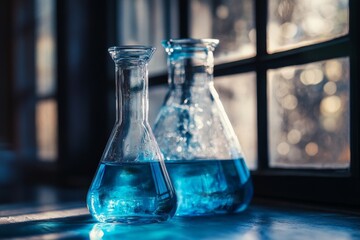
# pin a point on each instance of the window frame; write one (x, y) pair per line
(329, 186)
(5, 71)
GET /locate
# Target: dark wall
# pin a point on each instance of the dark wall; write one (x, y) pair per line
(84, 31)
(5, 136)
(83, 38)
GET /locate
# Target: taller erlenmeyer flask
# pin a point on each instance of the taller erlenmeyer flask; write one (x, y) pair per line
(131, 184)
(201, 151)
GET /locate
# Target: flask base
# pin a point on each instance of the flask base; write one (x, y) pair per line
(133, 220)
(210, 187)
(131, 193)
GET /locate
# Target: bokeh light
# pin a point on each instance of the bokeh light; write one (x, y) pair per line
(311, 149)
(230, 21)
(294, 136)
(294, 23)
(330, 88)
(330, 105)
(309, 115)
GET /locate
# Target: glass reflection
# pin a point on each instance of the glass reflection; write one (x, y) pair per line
(294, 23)
(309, 115)
(238, 95)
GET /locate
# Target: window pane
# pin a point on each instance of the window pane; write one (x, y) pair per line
(308, 113)
(148, 22)
(294, 23)
(238, 95)
(230, 21)
(46, 130)
(45, 47)
(156, 99)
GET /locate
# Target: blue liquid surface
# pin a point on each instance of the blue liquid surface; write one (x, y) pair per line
(131, 193)
(205, 187)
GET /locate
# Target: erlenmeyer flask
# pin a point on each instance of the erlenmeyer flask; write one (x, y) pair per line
(131, 184)
(201, 151)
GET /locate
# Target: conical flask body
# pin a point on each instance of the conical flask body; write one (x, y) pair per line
(131, 184)
(201, 151)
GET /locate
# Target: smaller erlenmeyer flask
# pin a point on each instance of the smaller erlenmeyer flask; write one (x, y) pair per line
(131, 184)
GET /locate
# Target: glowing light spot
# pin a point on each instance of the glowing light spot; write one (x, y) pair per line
(311, 76)
(330, 88)
(311, 149)
(333, 70)
(240, 25)
(96, 233)
(222, 12)
(288, 30)
(330, 105)
(282, 89)
(314, 25)
(330, 124)
(289, 102)
(294, 136)
(252, 35)
(328, 10)
(288, 72)
(179, 149)
(283, 148)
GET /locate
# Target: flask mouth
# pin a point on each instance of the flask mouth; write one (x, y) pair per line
(190, 43)
(132, 52)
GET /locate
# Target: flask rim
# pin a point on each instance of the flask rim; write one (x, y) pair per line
(194, 43)
(142, 52)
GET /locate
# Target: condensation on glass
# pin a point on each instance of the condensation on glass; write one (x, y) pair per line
(147, 22)
(238, 95)
(230, 21)
(45, 63)
(295, 23)
(308, 112)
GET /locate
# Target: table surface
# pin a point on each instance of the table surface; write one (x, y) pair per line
(72, 221)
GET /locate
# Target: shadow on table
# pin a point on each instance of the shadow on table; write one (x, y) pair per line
(85, 227)
(255, 223)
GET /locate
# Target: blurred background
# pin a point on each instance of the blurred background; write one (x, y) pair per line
(57, 95)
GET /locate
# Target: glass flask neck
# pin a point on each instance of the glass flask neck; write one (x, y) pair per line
(131, 93)
(131, 77)
(190, 62)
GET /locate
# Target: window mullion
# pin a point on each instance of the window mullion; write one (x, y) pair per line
(354, 87)
(184, 18)
(340, 47)
(260, 23)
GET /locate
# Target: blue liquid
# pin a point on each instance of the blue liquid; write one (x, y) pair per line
(131, 193)
(205, 187)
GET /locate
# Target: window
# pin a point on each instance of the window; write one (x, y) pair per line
(237, 93)
(291, 66)
(46, 103)
(230, 21)
(31, 78)
(309, 109)
(147, 22)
